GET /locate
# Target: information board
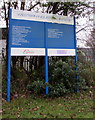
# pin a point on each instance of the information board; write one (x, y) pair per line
(31, 31)
(60, 39)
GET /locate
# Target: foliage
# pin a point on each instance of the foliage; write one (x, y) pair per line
(61, 72)
(91, 42)
(62, 77)
(86, 71)
(57, 90)
(93, 76)
(67, 8)
(37, 87)
(18, 81)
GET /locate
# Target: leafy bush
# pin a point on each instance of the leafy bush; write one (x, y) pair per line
(19, 81)
(62, 78)
(37, 87)
(58, 90)
(86, 72)
(62, 73)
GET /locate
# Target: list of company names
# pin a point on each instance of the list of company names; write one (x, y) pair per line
(20, 34)
(54, 33)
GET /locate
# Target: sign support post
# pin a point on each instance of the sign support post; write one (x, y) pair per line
(8, 77)
(76, 69)
(9, 61)
(46, 61)
(46, 70)
(76, 58)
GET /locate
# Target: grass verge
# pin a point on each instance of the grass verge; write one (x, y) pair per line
(78, 105)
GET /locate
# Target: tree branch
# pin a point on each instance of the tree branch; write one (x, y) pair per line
(33, 6)
(81, 29)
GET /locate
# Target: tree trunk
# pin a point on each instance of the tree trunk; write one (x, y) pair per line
(21, 61)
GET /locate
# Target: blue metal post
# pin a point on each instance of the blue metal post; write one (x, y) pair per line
(8, 76)
(46, 60)
(9, 62)
(46, 70)
(76, 58)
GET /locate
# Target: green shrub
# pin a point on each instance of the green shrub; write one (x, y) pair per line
(62, 73)
(58, 90)
(19, 81)
(62, 78)
(37, 87)
(86, 72)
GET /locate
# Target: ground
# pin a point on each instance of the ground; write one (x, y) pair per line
(76, 105)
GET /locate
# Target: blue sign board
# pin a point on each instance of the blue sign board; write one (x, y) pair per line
(60, 36)
(27, 34)
(30, 31)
